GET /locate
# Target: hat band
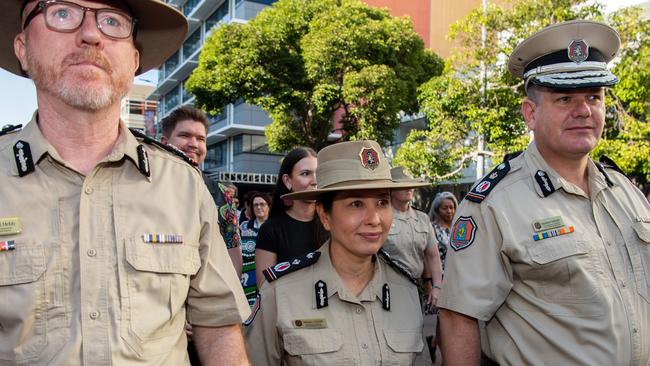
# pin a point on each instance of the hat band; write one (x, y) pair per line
(566, 67)
(573, 80)
(348, 184)
(336, 171)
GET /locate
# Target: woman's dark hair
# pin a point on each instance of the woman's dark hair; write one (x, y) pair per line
(326, 200)
(292, 158)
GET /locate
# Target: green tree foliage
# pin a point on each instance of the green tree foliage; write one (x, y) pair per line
(459, 107)
(302, 61)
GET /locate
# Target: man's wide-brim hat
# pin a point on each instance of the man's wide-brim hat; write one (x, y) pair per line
(568, 55)
(354, 165)
(160, 31)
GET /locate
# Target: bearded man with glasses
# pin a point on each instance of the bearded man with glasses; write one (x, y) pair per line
(108, 240)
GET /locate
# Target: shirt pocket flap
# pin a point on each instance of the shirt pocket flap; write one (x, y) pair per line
(408, 341)
(22, 265)
(642, 230)
(163, 258)
(311, 341)
(550, 250)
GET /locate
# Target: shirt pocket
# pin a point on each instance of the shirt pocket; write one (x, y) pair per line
(313, 347)
(564, 271)
(23, 309)
(154, 282)
(403, 346)
(641, 263)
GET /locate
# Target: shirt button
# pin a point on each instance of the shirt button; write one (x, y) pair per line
(91, 252)
(634, 330)
(94, 314)
(364, 346)
(358, 310)
(88, 190)
(622, 284)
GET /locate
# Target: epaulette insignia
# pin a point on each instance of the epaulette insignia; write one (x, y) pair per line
(397, 266)
(9, 128)
(281, 269)
(483, 188)
(606, 162)
(24, 160)
(170, 148)
(512, 155)
(254, 310)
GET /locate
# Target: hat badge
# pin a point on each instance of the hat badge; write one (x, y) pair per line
(369, 158)
(578, 50)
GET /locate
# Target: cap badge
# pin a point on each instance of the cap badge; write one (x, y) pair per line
(369, 158)
(578, 50)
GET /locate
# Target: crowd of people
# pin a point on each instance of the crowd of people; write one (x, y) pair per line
(115, 249)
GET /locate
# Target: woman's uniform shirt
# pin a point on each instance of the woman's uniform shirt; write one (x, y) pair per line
(309, 317)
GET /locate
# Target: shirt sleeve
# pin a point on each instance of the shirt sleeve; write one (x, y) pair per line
(266, 239)
(478, 275)
(262, 336)
(215, 296)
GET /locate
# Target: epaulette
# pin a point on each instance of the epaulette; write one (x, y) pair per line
(9, 128)
(512, 155)
(281, 269)
(396, 265)
(170, 148)
(608, 163)
(485, 186)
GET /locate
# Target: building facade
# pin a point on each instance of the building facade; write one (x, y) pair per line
(139, 112)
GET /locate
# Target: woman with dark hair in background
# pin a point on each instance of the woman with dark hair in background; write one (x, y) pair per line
(292, 229)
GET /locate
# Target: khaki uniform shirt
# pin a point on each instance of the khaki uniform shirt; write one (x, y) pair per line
(411, 234)
(289, 329)
(582, 298)
(82, 285)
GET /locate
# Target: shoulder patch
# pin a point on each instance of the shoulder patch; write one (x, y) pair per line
(10, 128)
(487, 184)
(463, 233)
(396, 265)
(273, 273)
(170, 148)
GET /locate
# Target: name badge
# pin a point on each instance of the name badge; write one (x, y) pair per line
(311, 323)
(548, 224)
(10, 226)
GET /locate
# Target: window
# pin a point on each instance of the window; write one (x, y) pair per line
(189, 6)
(218, 16)
(192, 44)
(253, 144)
(216, 155)
(171, 64)
(172, 99)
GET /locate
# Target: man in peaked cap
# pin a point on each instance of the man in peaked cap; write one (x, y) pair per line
(552, 249)
(108, 242)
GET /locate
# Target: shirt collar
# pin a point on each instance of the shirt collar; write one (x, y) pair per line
(536, 163)
(324, 271)
(126, 146)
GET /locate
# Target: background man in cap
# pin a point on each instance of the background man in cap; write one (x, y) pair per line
(106, 238)
(552, 249)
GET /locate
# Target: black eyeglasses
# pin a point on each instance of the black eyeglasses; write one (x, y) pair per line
(67, 17)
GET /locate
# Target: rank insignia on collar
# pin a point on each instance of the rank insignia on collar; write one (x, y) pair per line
(369, 158)
(143, 161)
(320, 291)
(578, 50)
(10, 226)
(463, 233)
(385, 297)
(8, 245)
(24, 160)
(544, 183)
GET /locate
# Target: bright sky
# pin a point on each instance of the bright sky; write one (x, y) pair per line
(18, 97)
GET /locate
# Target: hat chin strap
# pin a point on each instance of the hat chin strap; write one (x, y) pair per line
(566, 67)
